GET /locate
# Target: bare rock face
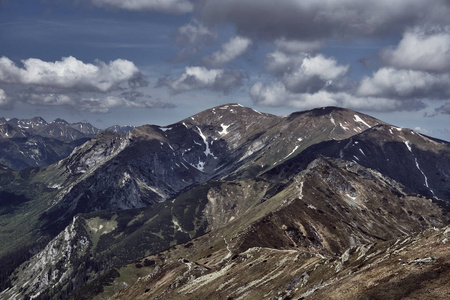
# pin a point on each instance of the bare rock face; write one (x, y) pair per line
(230, 202)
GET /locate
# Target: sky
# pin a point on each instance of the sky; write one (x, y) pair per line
(135, 62)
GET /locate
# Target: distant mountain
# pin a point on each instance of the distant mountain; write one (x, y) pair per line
(35, 143)
(230, 203)
(120, 129)
(85, 128)
(35, 151)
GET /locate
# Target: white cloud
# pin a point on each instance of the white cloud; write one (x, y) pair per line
(421, 49)
(379, 104)
(196, 78)
(394, 83)
(72, 83)
(4, 100)
(422, 130)
(70, 73)
(229, 51)
(276, 94)
(313, 74)
(417, 69)
(324, 68)
(165, 6)
(280, 62)
(301, 72)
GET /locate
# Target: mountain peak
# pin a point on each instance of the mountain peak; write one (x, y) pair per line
(38, 120)
(60, 121)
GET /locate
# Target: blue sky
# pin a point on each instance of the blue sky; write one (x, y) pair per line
(158, 61)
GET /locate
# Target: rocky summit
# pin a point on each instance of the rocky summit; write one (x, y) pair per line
(232, 203)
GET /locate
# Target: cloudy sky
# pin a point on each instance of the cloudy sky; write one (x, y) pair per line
(158, 61)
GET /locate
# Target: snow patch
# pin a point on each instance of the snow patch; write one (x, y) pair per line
(224, 129)
(165, 128)
(426, 178)
(257, 111)
(292, 152)
(359, 120)
(207, 151)
(343, 127)
(408, 146)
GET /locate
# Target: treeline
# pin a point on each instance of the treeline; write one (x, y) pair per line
(10, 261)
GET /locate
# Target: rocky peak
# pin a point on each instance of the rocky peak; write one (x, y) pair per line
(85, 128)
(232, 123)
(38, 120)
(120, 129)
(96, 151)
(60, 121)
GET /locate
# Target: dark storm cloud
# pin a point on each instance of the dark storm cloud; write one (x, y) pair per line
(444, 109)
(322, 19)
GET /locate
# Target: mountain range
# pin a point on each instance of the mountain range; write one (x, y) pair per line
(35, 143)
(233, 203)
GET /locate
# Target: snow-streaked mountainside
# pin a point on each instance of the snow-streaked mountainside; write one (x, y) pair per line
(201, 201)
(36, 143)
